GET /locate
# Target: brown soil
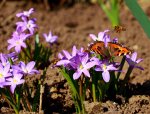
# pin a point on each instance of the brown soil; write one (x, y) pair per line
(73, 26)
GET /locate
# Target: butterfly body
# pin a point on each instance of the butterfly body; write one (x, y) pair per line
(112, 49)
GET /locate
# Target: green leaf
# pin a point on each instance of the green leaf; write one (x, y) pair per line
(71, 83)
(139, 15)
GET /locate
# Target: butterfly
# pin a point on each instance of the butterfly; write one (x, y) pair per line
(119, 28)
(112, 49)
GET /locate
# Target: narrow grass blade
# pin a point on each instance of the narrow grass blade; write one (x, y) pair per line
(139, 15)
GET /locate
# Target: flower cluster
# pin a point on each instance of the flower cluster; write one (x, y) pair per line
(11, 74)
(81, 62)
(18, 65)
(25, 28)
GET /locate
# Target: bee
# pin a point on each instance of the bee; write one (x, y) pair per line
(119, 28)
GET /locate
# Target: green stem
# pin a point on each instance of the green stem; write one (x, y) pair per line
(121, 67)
(81, 95)
(112, 11)
(93, 89)
(81, 87)
(10, 100)
(139, 14)
(127, 76)
(26, 54)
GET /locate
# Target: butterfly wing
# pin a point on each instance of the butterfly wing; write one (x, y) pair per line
(99, 48)
(113, 49)
(117, 49)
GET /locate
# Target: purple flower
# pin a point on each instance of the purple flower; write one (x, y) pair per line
(133, 62)
(25, 13)
(60, 56)
(17, 42)
(70, 60)
(102, 36)
(1, 85)
(4, 60)
(13, 56)
(115, 40)
(50, 38)
(105, 67)
(18, 34)
(14, 81)
(27, 25)
(4, 72)
(26, 69)
(65, 59)
(83, 67)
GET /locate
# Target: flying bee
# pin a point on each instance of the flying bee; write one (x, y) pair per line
(119, 28)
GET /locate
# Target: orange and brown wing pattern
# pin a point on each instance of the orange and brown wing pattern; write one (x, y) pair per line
(99, 48)
(113, 49)
(117, 49)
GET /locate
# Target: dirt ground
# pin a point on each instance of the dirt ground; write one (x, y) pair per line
(73, 26)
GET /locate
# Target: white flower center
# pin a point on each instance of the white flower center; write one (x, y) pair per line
(81, 67)
(18, 42)
(28, 25)
(15, 81)
(1, 75)
(104, 67)
(26, 13)
(25, 70)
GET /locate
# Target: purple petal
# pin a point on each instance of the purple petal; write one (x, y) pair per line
(60, 56)
(139, 60)
(54, 38)
(9, 47)
(2, 79)
(30, 65)
(90, 64)
(111, 67)
(139, 67)
(7, 68)
(106, 76)
(22, 64)
(7, 83)
(9, 79)
(45, 36)
(86, 73)
(34, 71)
(18, 49)
(134, 56)
(76, 75)
(1, 67)
(100, 36)
(84, 60)
(20, 82)
(98, 69)
(3, 60)
(93, 37)
(18, 76)
(50, 34)
(19, 14)
(62, 62)
(12, 88)
(67, 54)
(74, 51)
